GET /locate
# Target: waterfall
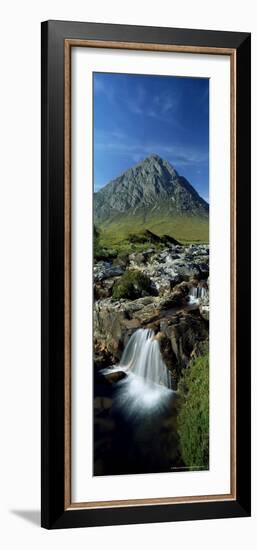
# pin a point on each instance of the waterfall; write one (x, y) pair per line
(196, 293)
(148, 384)
(142, 357)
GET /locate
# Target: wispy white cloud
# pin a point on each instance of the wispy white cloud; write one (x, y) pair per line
(156, 106)
(136, 102)
(189, 156)
(101, 87)
(135, 108)
(98, 85)
(165, 101)
(140, 103)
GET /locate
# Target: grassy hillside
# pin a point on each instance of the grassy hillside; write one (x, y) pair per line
(185, 229)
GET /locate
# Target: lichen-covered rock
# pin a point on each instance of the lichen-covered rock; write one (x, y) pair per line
(105, 270)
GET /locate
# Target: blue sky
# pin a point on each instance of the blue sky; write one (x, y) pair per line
(137, 115)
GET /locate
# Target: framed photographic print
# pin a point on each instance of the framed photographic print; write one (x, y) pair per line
(145, 274)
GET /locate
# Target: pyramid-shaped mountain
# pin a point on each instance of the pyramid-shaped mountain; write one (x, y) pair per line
(151, 185)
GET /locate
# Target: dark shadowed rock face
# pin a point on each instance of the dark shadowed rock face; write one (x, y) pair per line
(153, 183)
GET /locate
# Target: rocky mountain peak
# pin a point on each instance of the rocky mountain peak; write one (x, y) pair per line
(151, 183)
(154, 165)
(156, 162)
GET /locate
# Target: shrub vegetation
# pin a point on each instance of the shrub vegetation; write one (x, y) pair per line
(131, 285)
(193, 417)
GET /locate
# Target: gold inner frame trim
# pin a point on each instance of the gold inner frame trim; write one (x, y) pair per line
(68, 44)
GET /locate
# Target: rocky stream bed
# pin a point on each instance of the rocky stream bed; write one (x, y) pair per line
(174, 304)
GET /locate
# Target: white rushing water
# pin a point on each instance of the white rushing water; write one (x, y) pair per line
(196, 293)
(142, 357)
(136, 396)
(147, 386)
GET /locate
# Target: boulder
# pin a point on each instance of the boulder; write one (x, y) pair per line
(114, 377)
(103, 288)
(180, 337)
(105, 270)
(137, 259)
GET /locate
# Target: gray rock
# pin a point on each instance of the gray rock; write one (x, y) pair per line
(137, 259)
(105, 270)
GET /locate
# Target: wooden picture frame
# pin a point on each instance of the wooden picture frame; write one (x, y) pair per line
(58, 39)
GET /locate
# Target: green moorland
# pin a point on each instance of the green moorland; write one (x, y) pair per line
(117, 235)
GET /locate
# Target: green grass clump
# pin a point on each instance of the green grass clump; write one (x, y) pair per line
(131, 285)
(102, 252)
(193, 417)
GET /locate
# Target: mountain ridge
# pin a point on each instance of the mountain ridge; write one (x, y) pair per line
(148, 185)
